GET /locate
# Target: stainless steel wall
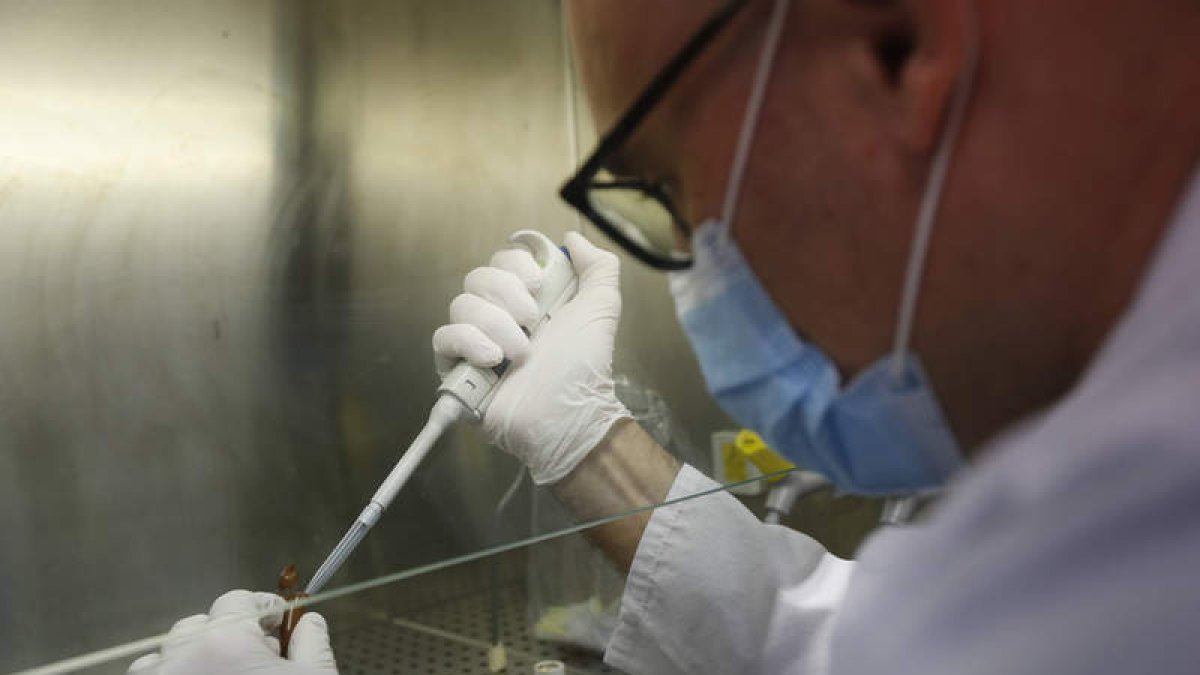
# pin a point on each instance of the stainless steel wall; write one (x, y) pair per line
(227, 229)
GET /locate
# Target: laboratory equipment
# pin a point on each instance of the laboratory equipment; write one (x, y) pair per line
(464, 390)
(790, 489)
(900, 510)
(744, 455)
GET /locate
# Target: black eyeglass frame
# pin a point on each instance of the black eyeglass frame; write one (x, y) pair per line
(575, 190)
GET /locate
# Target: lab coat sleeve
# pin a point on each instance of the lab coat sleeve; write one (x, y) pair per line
(714, 590)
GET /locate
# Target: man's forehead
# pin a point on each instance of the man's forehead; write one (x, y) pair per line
(635, 28)
(621, 44)
(642, 12)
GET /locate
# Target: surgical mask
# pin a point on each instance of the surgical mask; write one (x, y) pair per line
(883, 432)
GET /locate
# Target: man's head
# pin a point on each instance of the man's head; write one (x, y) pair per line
(1073, 152)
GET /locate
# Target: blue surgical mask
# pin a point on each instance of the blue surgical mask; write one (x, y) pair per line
(882, 433)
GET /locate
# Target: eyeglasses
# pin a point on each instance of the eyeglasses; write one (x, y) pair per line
(637, 214)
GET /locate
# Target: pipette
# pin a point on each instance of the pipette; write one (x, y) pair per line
(465, 390)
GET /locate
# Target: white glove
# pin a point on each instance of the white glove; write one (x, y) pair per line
(232, 638)
(557, 402)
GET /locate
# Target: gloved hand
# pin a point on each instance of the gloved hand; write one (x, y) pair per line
(557, 402)
(231, 639)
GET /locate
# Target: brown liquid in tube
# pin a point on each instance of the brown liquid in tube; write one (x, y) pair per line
(288, 581)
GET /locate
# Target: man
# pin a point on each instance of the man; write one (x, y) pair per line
(941, 233)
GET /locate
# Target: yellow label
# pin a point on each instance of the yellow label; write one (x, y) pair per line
(752, 447)
(734, 463)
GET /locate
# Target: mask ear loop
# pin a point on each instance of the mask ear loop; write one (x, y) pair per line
(758, 92)
(932, 199)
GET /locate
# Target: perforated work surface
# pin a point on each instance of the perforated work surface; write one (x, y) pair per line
(450, 637)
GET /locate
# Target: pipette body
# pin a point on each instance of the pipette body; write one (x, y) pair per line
(446, 411)
(465, 391)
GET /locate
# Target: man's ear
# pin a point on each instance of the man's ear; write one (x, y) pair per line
(920, 50)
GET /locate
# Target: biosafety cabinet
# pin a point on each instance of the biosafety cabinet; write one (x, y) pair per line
(227, 231)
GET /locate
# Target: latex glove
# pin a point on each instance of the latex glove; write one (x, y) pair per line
(557, 402)
(231, 639)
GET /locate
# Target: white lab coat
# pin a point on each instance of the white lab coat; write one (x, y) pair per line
(1072, 547)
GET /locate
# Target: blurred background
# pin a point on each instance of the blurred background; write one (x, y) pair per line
(227, 231)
